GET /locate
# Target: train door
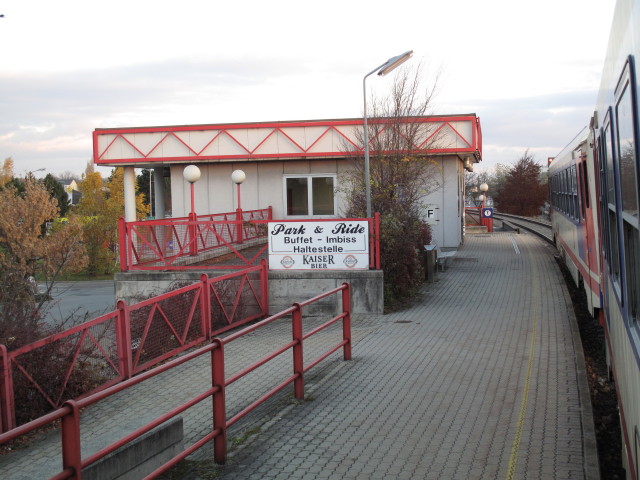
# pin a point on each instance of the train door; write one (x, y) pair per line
(587, 230)
(598, 191)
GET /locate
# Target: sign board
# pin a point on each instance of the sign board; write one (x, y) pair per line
(328, 245)
(431, 214)
(487, 213)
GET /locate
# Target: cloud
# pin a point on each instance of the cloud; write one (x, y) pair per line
(48, 118)
(541, 124)
(51, 116)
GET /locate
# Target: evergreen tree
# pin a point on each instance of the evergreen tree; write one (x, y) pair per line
(522, 192)
(56, 190)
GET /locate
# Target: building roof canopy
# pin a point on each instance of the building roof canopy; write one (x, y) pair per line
(145, 146)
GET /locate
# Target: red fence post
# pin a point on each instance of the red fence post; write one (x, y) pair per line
(264, 286)
(71, 454)
(193, 234)
(218, 381)
(372, 248)
(7, 405)
(122, 237)
(239, 220)
(270, 213)
(123, 339)
(346, 321)
(298, 357)
(377, 230)
(205, 303)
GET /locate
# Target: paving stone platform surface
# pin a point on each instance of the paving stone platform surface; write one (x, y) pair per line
(482, 378)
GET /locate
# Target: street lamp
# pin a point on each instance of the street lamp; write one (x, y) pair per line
(484, 188)
(238, 176)
(382, 70)
(485, 221)
(191, 174)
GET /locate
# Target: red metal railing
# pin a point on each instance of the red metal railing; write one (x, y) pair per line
(184, 243)
(120, 344)
(69, 413)
(167, 243)
(474, 217)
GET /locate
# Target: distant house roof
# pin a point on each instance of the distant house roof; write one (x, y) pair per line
(68, 182)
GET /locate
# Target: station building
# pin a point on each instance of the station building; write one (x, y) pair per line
(294, 167)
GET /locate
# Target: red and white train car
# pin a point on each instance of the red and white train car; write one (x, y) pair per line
(574, 215)
(595, 191)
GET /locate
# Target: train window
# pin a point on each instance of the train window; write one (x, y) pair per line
(626, 154)
(565, 191)
(626, 150)
(612, 215)
(569, 193)
(584, 188)
(602, 165)
(632, 267)
(574, 193)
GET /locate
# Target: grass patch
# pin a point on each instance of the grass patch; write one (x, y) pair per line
(240, 439)
(80, 277)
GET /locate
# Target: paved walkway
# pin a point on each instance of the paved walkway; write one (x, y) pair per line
(483, 378)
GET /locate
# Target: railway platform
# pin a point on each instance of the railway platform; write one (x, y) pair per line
(482, 378)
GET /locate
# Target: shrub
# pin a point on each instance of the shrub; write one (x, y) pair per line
(402, 241)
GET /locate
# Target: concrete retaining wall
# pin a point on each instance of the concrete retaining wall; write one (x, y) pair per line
(285, 288)
(139, 458)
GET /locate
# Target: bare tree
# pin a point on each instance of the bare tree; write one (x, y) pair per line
(402, 174)
(522, 192)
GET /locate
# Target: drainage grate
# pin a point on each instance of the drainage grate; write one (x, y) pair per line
(464, 259)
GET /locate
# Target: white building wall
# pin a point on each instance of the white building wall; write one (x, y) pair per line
(264, 187)
(445, 203)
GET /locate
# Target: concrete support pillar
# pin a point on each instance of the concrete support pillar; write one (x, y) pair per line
(129, 194)
(158, 199)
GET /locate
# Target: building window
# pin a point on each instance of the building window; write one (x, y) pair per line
(310, 195)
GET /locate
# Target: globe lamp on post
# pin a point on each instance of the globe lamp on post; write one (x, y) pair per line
(237, 177)
(191, 174)
(484, 188)
(488, 222)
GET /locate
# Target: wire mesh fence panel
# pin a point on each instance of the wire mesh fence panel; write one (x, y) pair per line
(64, 366)
(235, 301)
(165, 325)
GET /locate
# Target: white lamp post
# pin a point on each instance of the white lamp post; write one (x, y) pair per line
(484, 188)
(191, 174)
(238, 176)
(382, 70)
(488, 222)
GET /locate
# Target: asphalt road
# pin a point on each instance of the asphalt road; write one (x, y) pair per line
(81, 300)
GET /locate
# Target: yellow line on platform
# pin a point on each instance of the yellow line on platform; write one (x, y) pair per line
(525, 394)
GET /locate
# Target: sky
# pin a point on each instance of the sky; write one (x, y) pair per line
(529, 70)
